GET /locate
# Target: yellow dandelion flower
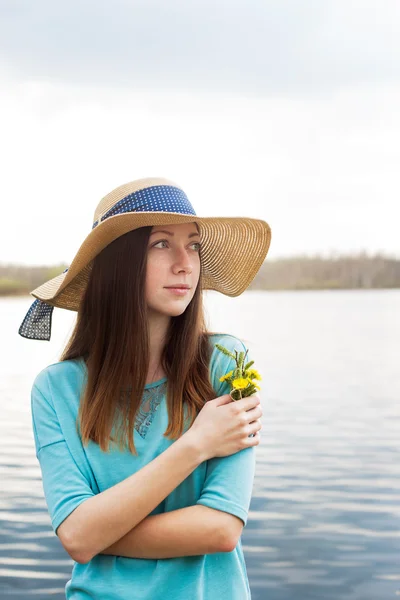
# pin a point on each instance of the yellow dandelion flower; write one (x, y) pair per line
(254, 373)
(252, 383)
(225, 377)
(240, 384)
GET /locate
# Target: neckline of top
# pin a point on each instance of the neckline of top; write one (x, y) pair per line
(154, 383)
(81, 362)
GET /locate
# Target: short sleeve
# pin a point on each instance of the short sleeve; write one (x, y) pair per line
(229, 480)
(64, 485)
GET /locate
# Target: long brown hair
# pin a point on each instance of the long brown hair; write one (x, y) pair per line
(111, 334)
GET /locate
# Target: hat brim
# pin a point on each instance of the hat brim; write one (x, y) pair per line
(233, 250)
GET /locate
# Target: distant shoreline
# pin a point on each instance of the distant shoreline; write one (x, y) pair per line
(253, 289)
(298, 273)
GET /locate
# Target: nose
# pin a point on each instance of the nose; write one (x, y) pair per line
(183, 262)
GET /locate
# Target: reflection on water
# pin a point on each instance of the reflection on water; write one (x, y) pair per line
(324, 518)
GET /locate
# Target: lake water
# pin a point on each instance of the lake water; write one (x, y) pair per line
(324, 519)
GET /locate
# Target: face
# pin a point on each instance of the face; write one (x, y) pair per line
(172, 259)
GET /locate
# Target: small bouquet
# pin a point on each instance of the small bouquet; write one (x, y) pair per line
(242, 377)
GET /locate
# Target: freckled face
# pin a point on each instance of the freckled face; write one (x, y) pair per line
(172, 260)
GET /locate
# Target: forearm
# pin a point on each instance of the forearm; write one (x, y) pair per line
(96, 524)
(189, 531)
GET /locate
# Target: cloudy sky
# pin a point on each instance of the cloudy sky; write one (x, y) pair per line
(285, 110)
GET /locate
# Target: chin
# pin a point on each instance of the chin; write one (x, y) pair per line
(177, 311)
(173, 311)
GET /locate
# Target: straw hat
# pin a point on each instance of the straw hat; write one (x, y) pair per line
(232, 248)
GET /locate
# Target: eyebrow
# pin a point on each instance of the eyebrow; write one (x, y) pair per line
(172, 234)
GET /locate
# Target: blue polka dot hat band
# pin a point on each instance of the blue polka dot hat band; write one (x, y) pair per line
(157, 198)
(166, 198)
(37, 321)
(224, 268)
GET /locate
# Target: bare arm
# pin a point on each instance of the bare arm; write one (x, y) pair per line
(102, 520)
(189, 531)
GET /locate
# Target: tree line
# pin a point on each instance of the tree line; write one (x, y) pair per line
(294, 273)
(339, 272)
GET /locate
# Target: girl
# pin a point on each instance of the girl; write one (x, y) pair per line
(147, 464)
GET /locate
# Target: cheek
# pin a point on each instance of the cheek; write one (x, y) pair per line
(197, 267)
(154, 272)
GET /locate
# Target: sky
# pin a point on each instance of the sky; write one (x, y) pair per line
(284, 110)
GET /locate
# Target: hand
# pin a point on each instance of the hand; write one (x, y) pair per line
(223, 426)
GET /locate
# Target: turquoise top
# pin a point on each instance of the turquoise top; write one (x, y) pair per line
(72, 473)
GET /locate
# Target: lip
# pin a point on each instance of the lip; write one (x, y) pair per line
(180, 291)
(181, 286)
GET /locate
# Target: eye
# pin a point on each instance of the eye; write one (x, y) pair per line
(160, 242)
(166, 242)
